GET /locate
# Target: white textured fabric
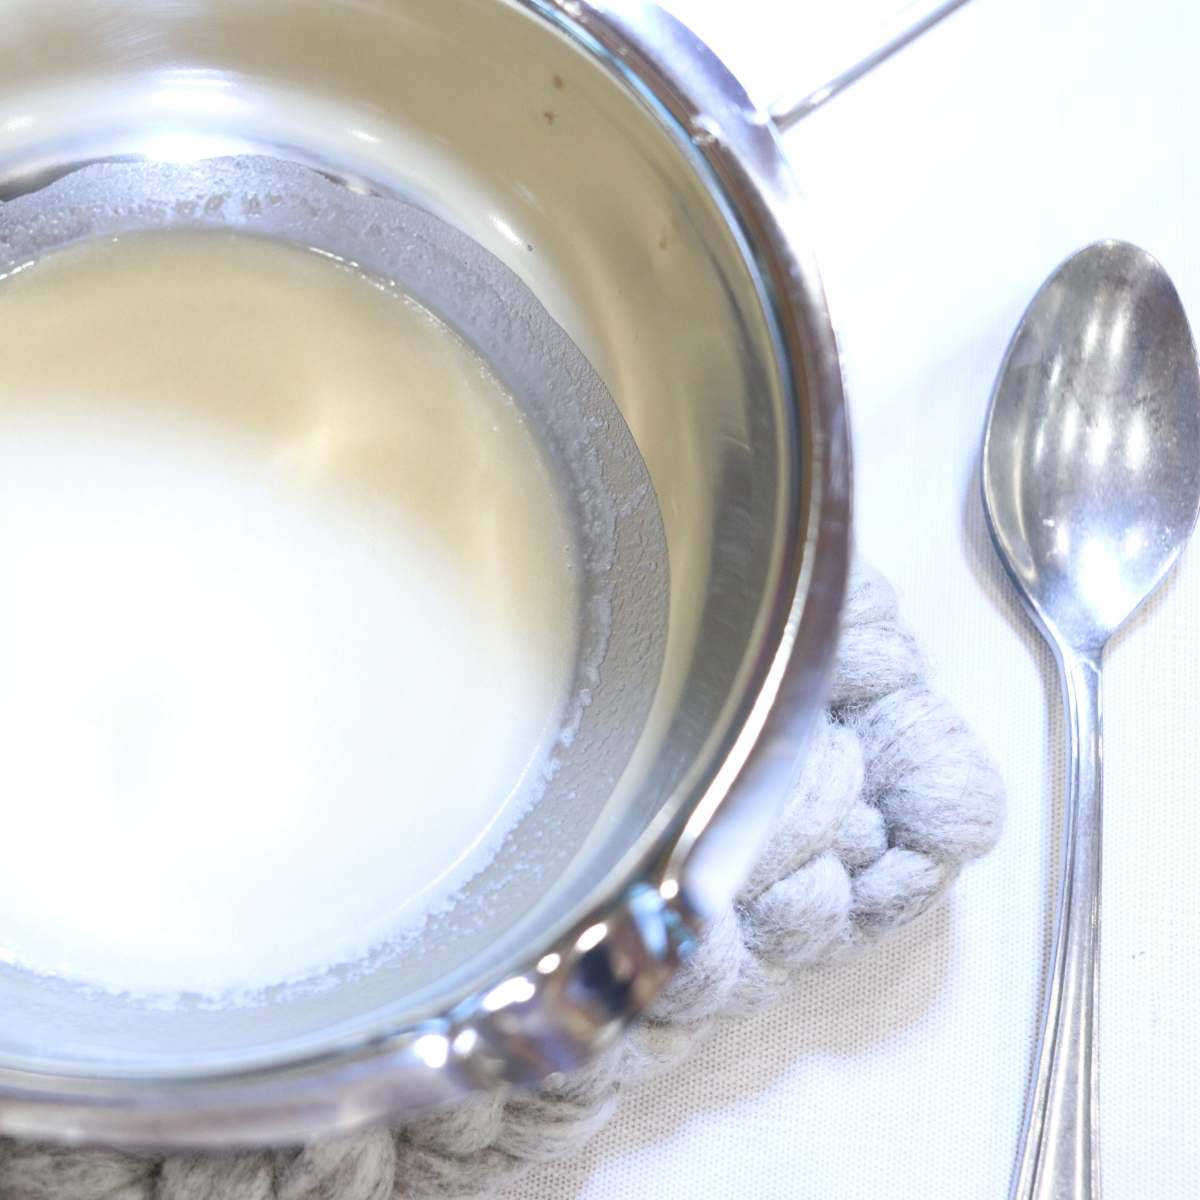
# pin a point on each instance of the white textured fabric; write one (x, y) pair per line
(945, 188)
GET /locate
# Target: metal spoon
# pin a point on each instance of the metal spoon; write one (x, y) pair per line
(1091, 482)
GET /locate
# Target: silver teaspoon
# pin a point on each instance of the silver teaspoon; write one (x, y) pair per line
(1091, 482)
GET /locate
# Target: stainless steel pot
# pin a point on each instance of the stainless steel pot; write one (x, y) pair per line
(609, 160)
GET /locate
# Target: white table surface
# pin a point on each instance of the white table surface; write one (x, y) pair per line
(944, 188)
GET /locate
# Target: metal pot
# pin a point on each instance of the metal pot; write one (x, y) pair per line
(610, 161)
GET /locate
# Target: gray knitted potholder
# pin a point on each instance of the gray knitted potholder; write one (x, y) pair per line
(895, 797)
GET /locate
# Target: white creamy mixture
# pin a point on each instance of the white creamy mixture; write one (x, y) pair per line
(287, 614)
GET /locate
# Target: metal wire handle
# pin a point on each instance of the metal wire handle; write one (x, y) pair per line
(794, 107)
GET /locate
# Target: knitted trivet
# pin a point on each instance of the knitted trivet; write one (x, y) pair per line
(896, 795)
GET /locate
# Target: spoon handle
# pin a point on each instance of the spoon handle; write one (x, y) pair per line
(1060, 1154)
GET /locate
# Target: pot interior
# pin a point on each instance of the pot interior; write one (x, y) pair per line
(490, 148)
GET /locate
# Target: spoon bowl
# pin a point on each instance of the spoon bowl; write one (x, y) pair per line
(1091, 461)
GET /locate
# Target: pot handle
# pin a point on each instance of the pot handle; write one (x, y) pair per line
(908, 25)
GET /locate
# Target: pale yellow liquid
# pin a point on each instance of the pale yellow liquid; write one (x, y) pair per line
(287, 613)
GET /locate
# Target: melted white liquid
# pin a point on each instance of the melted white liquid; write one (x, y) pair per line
(287, 615)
